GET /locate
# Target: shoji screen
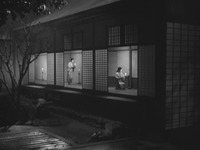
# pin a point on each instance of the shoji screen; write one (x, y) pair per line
(101, 72)
(50, 68)
(182, 75)
(87, 69)
(146, 74)
(59, 69)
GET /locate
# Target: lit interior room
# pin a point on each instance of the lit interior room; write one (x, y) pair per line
(73, 70)
(41, 69)
(126, 59)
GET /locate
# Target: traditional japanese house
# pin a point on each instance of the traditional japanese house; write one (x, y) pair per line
(156, 43)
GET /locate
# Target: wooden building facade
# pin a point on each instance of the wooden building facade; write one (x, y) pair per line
(155, 46)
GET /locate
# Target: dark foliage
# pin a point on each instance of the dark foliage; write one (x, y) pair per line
(21, 7)
(8, 112)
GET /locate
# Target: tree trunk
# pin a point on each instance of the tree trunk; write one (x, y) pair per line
(19, 92)
(18, 95)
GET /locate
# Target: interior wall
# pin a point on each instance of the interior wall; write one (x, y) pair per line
(41, 62)
(112, 63)
(123, 61)
(116, 59)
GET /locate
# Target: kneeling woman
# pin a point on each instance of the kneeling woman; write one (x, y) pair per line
(120, 78)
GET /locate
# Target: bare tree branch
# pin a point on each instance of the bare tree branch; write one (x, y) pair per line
(22, 41)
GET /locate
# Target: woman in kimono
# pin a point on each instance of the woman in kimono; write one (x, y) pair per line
(71, 66)
(120, 78)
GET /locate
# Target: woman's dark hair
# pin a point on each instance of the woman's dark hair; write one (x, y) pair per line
(118, 69)
(71, 59)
